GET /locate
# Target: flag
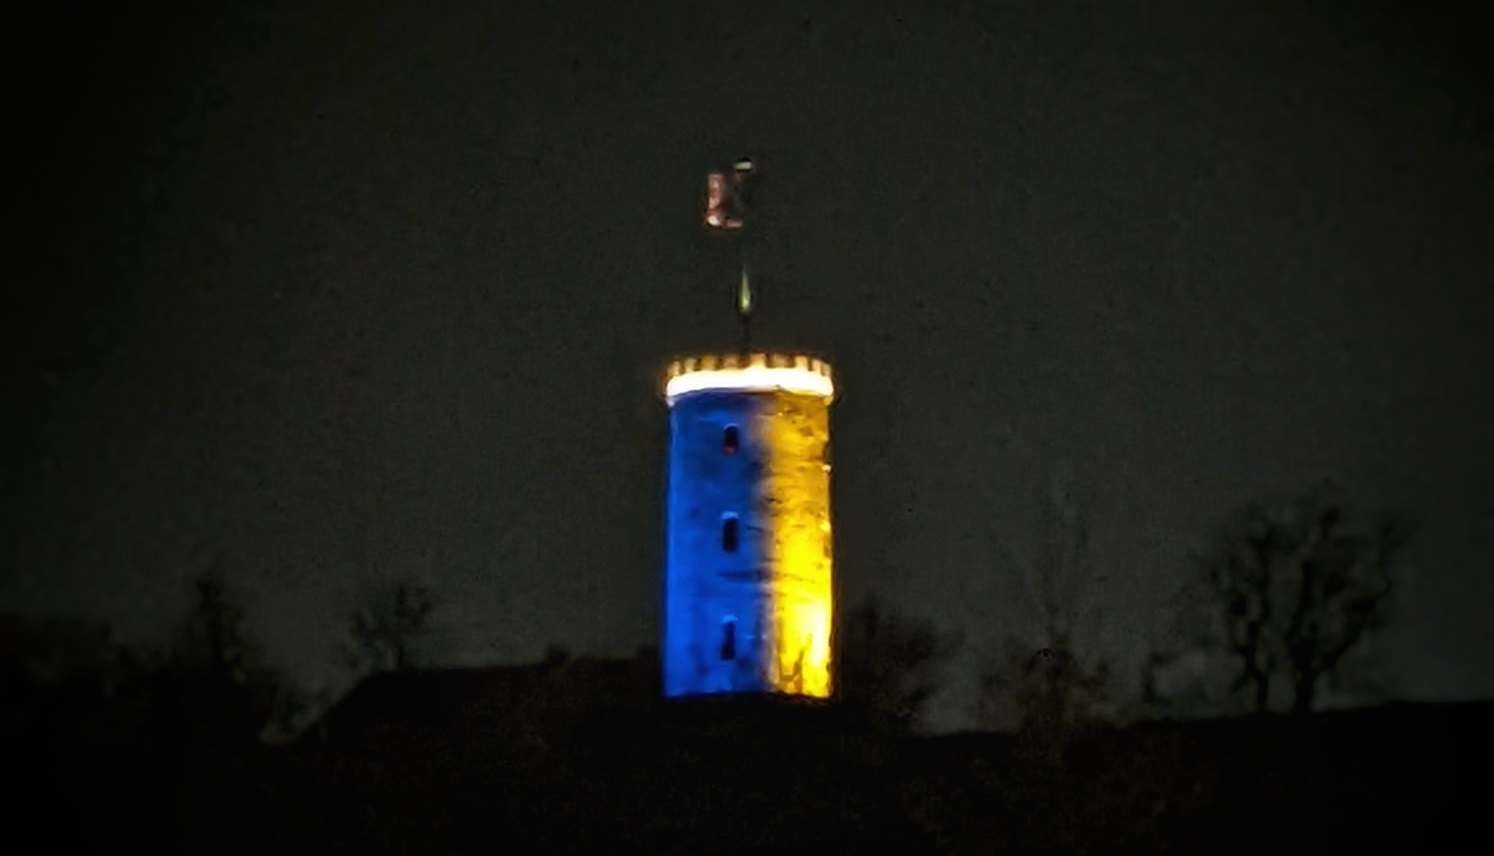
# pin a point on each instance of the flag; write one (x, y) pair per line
(720, 210)
(725, 196)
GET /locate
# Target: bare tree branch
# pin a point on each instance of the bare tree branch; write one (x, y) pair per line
(1292, 589)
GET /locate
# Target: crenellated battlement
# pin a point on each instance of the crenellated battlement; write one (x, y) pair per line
(751, 372)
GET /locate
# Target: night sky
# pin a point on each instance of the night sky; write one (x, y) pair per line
(324, 295)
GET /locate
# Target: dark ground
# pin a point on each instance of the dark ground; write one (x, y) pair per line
(580, 755)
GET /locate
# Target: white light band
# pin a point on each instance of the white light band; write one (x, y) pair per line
(752, 378)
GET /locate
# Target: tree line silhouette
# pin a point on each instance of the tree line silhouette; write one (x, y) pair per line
(1278, 601)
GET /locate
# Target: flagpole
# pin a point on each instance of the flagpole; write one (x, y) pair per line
(726, 211)
(743, 169)
(744, 303)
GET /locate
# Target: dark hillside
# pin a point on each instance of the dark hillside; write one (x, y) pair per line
(569, 756)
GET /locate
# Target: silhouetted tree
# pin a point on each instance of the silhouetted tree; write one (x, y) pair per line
(199, 700)
(1048, 693)
(384, 636)
(212, 639)
(888, 663)
(1286, 591)
(1051, 679)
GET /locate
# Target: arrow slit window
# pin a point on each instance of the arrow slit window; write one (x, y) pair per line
(729, 533)
(729, 639)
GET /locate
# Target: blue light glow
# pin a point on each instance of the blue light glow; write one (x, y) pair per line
(715, 599)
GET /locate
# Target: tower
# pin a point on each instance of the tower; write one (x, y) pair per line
(749, 595)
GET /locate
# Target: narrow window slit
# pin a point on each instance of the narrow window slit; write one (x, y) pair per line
(729, 533)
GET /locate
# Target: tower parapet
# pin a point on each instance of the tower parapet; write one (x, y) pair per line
(751, 372)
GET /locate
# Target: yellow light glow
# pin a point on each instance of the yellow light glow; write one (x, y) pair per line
(749, 373)
(799, 565)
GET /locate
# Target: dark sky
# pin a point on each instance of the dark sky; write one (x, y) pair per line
(327, 294)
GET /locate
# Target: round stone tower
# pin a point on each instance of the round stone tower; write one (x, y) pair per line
(748, 584)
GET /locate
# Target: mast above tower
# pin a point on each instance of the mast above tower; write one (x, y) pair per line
(728, 194)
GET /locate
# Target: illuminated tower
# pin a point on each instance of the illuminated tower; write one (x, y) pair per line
(748, 584)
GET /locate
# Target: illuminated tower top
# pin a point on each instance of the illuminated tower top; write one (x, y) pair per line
(753, 372)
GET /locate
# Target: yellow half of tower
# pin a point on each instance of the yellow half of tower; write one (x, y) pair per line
(799, 556)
